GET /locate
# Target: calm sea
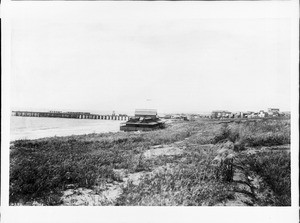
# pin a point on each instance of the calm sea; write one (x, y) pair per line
(35, 127)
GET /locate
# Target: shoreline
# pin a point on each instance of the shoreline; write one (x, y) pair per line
(37, 127)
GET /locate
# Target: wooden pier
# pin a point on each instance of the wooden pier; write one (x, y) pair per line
(73, 115)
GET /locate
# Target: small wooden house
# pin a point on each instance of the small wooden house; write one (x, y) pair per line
(143, 120)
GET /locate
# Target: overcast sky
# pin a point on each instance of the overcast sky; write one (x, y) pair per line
(171, 65)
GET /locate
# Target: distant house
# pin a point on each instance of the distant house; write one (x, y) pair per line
(220, 114)
(273, 112)
(262, 114)
(143, 120)
(238, 115)
(253, 115)
(247, 114)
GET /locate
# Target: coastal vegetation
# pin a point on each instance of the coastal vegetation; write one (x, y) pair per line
(200, 163)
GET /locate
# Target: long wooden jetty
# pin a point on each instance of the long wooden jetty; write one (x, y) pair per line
(74, 115)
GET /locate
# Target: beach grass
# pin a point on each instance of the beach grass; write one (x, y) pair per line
(40, 170)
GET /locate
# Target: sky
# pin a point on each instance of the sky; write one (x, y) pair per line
(172, 65)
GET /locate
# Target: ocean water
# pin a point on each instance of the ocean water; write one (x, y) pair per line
(36, 127)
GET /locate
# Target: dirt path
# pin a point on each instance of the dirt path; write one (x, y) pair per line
(248, 186)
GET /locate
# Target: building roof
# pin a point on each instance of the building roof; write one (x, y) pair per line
(143, 123)
(146, 112)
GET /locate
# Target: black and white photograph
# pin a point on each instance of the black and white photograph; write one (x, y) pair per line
(169, 110)
(189, 112)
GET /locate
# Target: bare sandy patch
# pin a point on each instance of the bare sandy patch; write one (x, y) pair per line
(163, 150)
